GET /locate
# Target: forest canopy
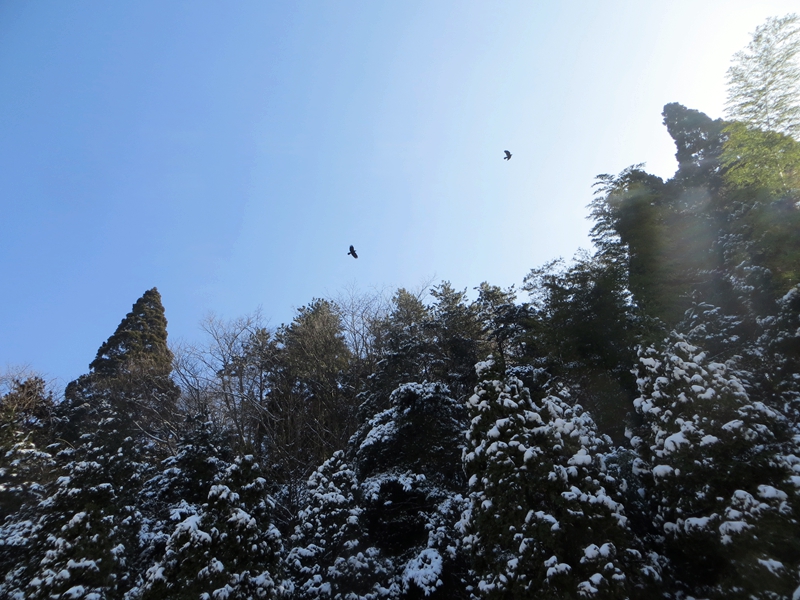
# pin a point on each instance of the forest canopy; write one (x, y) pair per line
(625, 425)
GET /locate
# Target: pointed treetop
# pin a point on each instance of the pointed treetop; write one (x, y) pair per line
(143, 332)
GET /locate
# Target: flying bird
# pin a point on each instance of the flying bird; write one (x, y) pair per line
(508, 155)
(353, 252)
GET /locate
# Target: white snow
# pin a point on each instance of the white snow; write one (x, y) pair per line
(768, 492)
(773, 566)
(662, 471)
(424, 570)
(674, 442)
(581, 458)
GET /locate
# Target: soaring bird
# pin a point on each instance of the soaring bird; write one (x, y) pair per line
(508, 155)
(353, 252)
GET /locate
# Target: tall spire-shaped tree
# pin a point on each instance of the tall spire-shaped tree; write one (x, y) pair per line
(132, 369)
(142, 335)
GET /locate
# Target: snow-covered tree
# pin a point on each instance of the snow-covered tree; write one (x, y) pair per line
(25, 469)
(718, 469)
(543, 519)
(132, 371)
(86, 536)
(407, 461)
(225, 548)
(779, 347)
(329, 558)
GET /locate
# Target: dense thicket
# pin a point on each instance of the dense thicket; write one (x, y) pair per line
(628, 430)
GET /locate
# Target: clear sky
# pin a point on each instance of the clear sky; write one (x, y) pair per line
(228, 153)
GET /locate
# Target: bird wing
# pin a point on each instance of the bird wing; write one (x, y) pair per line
(352, 249)
(508, 154)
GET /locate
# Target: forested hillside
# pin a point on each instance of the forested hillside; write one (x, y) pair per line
(627, 425)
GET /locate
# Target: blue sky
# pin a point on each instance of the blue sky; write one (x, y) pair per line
(228, 153)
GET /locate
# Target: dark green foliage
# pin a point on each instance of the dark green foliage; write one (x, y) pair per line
(141, 335)
(131, 370)
(425, 414)
(25, 470)
(224, 543)
(315, 412)
(87, 534)
(331, 557)
(202, 454)
(25, 429)
(582, 328)
(543, 521)
(503, 323)
(669, 246)
(408, 463)
(699, 141)
(456, 336)
(713, 463)
(436, 343)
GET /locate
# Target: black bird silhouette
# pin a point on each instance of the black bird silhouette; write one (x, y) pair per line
(508, 155)
(353, 252)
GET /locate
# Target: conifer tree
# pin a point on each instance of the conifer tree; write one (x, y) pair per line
(26, 410)
(699, 142)
(457, 339)
(717, 467)
(180, 486)
(313, 408)
(780, 349)
(225, 546)
(405, 348)
(86, 538)
(331, 557)
(25, 470)
(407, 461)
(132, 369)
(544, 518)
(581, 328)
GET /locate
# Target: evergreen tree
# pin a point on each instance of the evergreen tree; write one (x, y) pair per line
(225, 547)
(86, 537)
(26, 410)
(502, 321)
(309, 401)
(181, 486)
(405, 350)
(330, 557)
(780, 349)
(699, 141)
(407, 461)
(581, 329)
(715, 465)
(544, 519)
(132, 369)
(25, 470)
(457, 336)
